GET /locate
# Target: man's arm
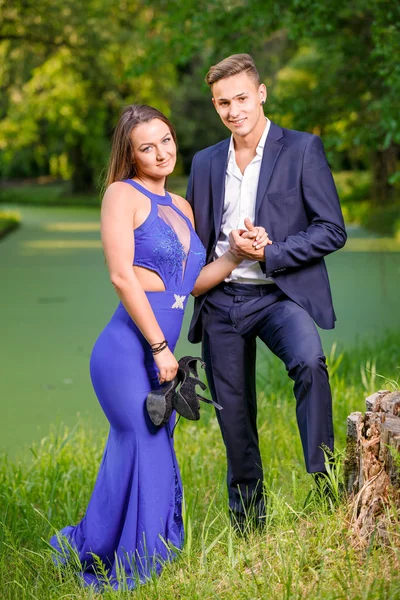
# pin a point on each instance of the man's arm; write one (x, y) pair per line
(326, 232)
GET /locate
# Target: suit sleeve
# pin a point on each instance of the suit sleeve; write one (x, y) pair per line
(325, 232)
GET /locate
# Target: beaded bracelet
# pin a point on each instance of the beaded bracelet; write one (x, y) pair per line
(159, 347)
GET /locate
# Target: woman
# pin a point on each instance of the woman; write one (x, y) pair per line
(155, 259)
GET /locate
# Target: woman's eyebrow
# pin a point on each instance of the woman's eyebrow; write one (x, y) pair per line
(151, 143)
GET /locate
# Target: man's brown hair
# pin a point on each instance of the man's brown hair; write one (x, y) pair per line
(233, 65)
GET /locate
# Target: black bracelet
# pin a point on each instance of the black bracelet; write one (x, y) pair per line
(159, 347)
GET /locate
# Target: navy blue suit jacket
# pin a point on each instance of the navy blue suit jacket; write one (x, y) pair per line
(297, 203)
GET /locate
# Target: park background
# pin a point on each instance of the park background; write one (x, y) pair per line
(66, 71)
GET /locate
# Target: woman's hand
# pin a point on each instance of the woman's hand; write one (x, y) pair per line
(167, 365)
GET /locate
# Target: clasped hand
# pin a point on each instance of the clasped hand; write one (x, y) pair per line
(249, 243)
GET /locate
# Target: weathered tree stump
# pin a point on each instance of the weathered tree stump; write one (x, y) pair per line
(372, 466)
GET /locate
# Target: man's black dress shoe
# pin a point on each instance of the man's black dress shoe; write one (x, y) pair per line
(246, 521)
(328, 487)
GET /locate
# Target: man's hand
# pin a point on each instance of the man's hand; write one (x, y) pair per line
(249, 243)
(258, 234)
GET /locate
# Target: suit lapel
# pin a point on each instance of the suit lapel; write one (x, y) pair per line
(271, 152)
(218, 172)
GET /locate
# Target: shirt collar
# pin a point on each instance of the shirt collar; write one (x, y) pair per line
(260, 145)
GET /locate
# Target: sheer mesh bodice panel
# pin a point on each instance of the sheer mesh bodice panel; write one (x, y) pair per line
(167, 243)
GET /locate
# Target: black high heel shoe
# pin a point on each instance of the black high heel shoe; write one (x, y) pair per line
(185, 399)
(159, 403)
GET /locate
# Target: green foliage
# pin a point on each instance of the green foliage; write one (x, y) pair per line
(196, 122)
(304, 551)
(66, 70)
(76, 78)
(350, 93)
(9, 220)
(355, 191)
(50, 194)
(382, 219)
(61, 194)
(352, 186)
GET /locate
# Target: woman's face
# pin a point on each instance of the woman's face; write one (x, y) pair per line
(154, 149)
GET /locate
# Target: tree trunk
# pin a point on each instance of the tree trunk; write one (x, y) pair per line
(371, 467)
(384, 165)
(83, 176)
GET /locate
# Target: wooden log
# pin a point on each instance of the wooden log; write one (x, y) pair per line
(351, 466)
(384, 401)
(371, 467)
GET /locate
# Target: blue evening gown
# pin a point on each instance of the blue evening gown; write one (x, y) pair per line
(133, 521)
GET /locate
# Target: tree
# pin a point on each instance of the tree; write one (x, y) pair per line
(337, 72)
(75, 74)
(345, 82)
(67, 69)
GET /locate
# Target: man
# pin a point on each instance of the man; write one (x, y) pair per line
(279, 179)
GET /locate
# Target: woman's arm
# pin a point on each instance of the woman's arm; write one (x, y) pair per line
(218, 270)
(117, 216)
(215, 272)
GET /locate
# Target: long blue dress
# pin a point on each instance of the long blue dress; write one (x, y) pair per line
(134, 518)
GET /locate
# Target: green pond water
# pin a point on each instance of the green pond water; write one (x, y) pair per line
(55, 297)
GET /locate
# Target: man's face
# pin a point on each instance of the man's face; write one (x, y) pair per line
(237, 100)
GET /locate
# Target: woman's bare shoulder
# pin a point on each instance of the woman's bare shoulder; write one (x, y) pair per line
(120, 195)
(118, 190)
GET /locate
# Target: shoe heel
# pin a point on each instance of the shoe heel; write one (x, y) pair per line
(156, 407)
(159, 402)
(184, 409)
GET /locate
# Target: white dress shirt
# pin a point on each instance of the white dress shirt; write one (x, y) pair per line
(239, 203)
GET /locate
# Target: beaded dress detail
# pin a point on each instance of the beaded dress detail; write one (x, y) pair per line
(167, 243)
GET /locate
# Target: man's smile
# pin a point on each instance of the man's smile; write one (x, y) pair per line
(238, 121)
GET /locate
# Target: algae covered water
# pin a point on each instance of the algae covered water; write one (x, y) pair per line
(56, 297)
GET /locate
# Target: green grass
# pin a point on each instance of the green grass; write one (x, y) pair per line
(59, 194)
(304, 552)
(353, 189)
(49, 194)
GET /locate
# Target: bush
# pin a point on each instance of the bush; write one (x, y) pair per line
(9, 220)
(384, 220)
(59, 194)
(354, 189)
(51, 194)
(352, 186)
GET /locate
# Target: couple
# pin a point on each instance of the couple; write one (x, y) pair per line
(247, 284)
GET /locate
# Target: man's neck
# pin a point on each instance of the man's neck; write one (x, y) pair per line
(250, 142)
